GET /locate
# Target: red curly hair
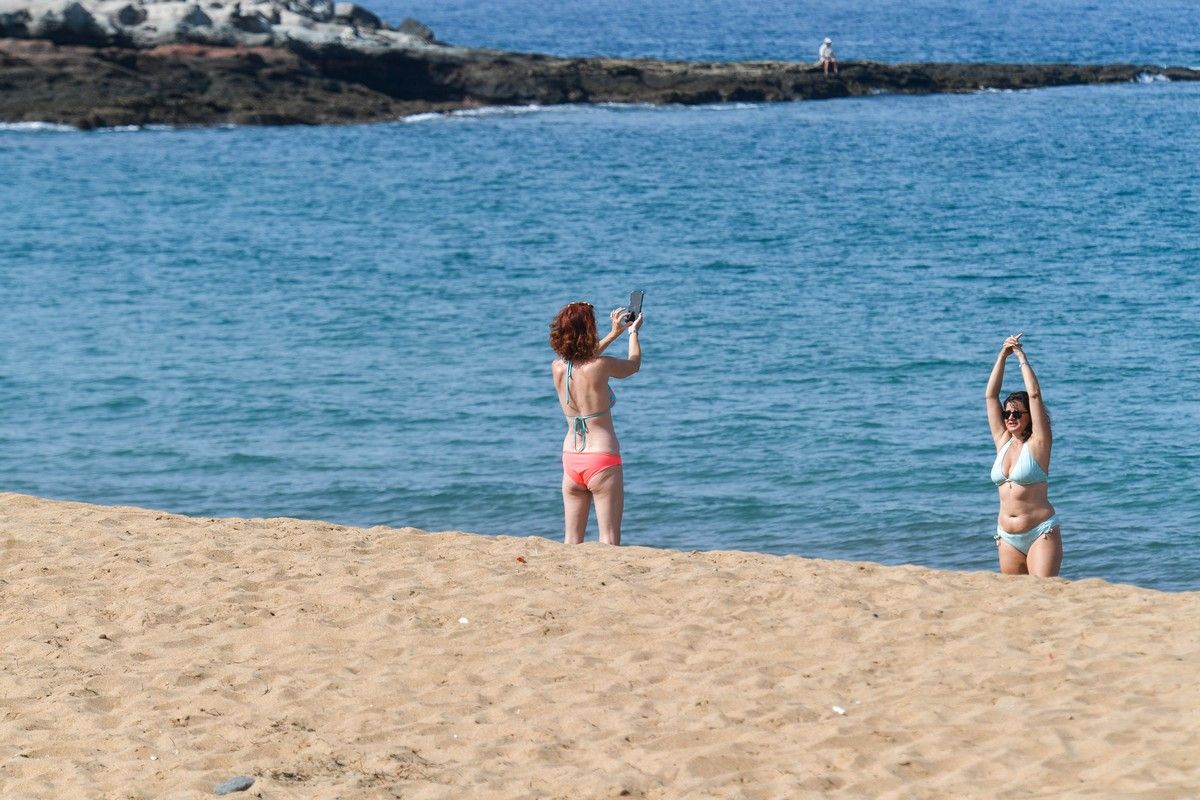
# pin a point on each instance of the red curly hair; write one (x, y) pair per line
(573, 332)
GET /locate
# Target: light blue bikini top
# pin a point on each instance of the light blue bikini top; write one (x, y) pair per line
(579, 424)
(1025, 472)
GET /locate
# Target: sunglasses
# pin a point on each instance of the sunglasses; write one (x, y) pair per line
(1012, 414)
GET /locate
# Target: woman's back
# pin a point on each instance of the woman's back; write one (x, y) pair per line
(586, 401)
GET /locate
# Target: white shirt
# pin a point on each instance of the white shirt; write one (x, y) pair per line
(825, 52)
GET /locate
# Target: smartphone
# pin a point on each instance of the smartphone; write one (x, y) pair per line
(635, 305)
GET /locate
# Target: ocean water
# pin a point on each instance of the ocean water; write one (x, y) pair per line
(350, 323)
(1164, 32)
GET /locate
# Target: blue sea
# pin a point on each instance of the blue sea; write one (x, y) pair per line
(350, 323)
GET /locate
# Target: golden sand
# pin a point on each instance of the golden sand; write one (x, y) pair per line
(150, 655)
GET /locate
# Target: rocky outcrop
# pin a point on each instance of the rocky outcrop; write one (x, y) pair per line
(135, 62)
(489, 77)
(228, 23)
(183, 85)
(417, 29)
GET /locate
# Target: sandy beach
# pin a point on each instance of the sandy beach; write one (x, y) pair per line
(151, 655)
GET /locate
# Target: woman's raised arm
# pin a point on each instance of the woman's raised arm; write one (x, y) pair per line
(1037, 409)
(624, 367)
(618, 325)
(991, 395)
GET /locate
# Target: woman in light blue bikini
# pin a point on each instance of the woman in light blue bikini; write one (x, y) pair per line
(1028, 533)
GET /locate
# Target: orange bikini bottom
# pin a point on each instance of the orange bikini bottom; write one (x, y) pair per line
(582, 467)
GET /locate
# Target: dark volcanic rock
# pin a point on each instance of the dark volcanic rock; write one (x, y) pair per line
(331, 83)
(181, 85)
(354, 14)
(418, 29)
(130, 14)
(494, 77)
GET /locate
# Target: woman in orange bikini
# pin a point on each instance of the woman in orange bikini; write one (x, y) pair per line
(1028, 531)
(591, 452)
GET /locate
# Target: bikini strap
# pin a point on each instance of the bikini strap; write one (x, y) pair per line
(579, 426)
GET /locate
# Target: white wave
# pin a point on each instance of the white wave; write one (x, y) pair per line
(615, 106)
(738, 106)
(1152, 77)
(576, 108)
(135, 128)
(498, 111)
(56, 127)
(718, 106)
(473, 113)
(36, 126)
(994, 90)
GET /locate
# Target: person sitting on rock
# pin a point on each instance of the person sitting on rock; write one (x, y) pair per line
(827, 57)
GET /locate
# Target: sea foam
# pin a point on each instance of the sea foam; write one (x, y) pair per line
(474, 113)
(35, 126)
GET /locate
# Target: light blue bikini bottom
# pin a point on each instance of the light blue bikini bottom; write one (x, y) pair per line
(1023, 541)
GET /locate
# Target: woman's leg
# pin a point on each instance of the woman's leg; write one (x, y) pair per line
(1045, 555)
(576, 502)
(1012, 560)
(609, 490)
